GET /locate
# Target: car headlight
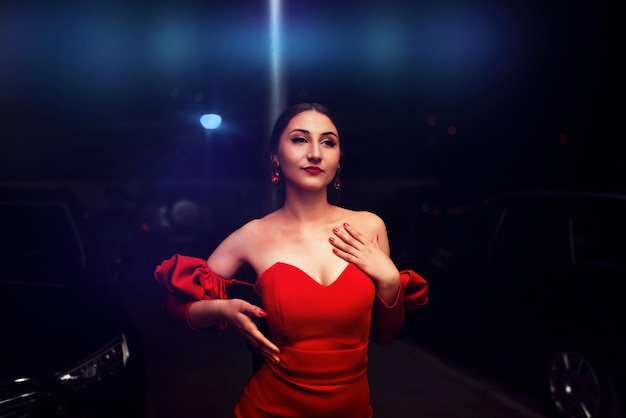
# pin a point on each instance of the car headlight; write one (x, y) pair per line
(18, 397)
(103, 363)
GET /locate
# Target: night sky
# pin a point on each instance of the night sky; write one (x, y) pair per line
(476, 94)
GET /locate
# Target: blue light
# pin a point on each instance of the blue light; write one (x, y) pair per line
(211, 121)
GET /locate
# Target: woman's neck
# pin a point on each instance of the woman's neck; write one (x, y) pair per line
(307, 207)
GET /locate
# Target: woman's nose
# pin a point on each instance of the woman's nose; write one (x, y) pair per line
(314, 152)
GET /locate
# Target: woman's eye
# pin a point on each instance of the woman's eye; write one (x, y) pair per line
(329, 143)
(298, 139)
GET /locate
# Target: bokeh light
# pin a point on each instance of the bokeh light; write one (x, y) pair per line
(211, 121)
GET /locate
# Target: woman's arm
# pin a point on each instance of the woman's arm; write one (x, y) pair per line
(190, 279)
(207, 305)
(370, 254)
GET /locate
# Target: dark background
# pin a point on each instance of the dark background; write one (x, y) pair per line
(435, 100)
(463, 95)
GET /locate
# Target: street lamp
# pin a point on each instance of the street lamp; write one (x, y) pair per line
(210, 121)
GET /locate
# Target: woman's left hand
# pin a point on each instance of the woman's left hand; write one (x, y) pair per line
(367, 255)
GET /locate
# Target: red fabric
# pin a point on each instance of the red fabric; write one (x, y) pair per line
(323, 335)
(322, 332)
(387, 320)
(189, 279)
(176, 308)
(415, 289)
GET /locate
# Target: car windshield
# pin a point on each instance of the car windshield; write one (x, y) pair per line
(40, 242)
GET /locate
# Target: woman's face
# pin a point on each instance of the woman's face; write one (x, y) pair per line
(308, 151)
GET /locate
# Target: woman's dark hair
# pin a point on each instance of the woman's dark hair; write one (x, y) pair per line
(283, 120)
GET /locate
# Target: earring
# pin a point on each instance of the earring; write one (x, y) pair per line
(275, 177)
(337, 182)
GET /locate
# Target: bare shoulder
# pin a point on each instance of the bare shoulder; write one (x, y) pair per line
(247, 235)
(236, 249)
(365, 217)
(365, 221)
(371, 226)
(251, 238)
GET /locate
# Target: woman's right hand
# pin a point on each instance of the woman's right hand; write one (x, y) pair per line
(239, 313)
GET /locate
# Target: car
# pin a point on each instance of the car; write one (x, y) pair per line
(70, 348)
(529, 284)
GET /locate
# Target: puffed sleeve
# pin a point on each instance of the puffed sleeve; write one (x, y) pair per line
(189, 279)
(388, 319)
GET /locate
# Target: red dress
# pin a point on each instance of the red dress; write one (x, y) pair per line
(323, 334)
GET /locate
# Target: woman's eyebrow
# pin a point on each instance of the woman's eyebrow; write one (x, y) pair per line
(304, 131)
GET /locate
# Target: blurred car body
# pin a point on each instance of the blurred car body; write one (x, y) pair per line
(530, 285)
(69, 348)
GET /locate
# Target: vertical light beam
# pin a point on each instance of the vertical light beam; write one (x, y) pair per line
(276, 76)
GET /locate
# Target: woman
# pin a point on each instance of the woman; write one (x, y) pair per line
(324, 276)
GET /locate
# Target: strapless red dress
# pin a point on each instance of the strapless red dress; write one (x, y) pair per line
(323, 334)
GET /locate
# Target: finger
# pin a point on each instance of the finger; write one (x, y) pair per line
(252, 333)
(260, 341)
(348, 238)
(350, 258)
(256, 311)
(344, 249)
(264, 346)
(250, 310)
(355, 233)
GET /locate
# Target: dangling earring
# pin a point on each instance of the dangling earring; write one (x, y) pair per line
(275, 177)
(337, 182)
